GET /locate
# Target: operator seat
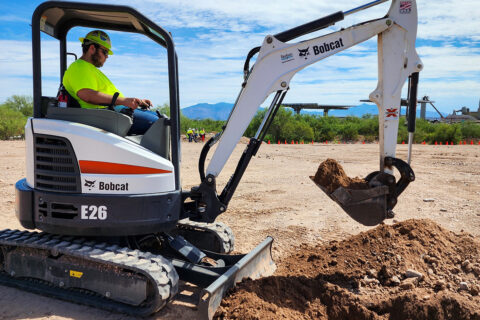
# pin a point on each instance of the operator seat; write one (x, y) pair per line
(156, 139)
(104, 119)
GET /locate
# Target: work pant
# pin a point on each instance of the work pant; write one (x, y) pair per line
(142, 120)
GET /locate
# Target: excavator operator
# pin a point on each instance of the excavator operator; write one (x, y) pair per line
(92, 89)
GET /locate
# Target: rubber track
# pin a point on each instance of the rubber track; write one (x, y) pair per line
(155, 268)
(223, 232)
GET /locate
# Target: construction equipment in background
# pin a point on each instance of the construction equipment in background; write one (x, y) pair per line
(118, 230)
(465, 115)
(297, 107)
(423, 107)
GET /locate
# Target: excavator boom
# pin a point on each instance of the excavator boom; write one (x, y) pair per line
(277, 63)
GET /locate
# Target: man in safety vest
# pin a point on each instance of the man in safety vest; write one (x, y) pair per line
(190, 134)
(202, 134)
(92, 89)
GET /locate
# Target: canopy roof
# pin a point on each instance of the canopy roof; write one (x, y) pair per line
(57, 17)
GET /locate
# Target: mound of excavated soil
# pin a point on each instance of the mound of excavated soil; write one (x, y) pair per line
(331, 175)
(409, 270)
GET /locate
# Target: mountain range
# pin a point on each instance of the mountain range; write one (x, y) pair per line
(221, 111)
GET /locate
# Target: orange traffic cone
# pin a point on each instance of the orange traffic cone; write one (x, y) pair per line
(268, 142)
(363, 142)
(312, 141)
(435, 142)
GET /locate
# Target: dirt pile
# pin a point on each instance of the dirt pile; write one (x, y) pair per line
(409, 270)
(331, 175)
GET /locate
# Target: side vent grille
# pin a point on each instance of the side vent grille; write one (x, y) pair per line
(57, 210)
(56, 167)
(64, 211)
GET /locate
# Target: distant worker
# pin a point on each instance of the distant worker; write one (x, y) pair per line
(195, 134)
(190, 134)
(93, 90)
(202, 134)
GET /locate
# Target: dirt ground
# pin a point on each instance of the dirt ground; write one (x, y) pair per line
(329, 267)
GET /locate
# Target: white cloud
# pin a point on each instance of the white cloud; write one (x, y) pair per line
(437, 20)
(13, 18)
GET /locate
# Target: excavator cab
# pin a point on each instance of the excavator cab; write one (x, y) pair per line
(98, 160)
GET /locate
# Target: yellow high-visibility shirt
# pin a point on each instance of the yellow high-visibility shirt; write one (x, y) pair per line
(84, 75)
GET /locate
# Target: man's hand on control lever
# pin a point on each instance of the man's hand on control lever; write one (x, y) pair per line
(134, 103)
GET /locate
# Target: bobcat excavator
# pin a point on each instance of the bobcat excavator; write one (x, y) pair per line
(117, 230)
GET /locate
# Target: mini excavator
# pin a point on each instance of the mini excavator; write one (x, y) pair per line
(116, 229)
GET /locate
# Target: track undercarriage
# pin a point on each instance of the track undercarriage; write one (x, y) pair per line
(138, 278)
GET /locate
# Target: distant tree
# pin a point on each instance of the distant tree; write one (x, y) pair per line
(23, 104)
(12, 123)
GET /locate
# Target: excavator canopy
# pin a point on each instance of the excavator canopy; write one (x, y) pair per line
(56, 18)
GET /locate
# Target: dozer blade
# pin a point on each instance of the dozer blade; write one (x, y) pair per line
(256, 264)
(366, 206)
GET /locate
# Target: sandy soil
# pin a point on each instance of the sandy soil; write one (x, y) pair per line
(277, 198)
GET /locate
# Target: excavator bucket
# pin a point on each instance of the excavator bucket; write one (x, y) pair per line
(366, 206)
(255, 264)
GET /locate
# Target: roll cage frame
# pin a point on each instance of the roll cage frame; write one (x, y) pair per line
(56, 18)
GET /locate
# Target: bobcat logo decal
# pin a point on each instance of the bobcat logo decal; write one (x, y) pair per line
(90, 184)
(303, 53)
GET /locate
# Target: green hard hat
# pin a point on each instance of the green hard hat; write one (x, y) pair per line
(99, 37)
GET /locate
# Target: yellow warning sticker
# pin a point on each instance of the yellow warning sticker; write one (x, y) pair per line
(76, 274)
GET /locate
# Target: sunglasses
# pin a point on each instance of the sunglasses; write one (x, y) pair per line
(105, 51)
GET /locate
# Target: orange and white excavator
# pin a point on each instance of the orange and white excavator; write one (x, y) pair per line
(117, 229)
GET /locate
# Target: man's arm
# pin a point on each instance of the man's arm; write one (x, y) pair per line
(96, 97)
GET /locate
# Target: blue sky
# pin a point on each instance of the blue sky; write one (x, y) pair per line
(213, 37)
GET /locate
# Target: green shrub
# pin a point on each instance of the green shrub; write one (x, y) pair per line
(12, 123)
(402, 131)
(368, 126)
(298, 131)
(370, 138)
(349, 132)
(445, 133)
(23, 104)
(470, 130)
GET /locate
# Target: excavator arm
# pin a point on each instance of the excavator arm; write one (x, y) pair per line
(278, 62)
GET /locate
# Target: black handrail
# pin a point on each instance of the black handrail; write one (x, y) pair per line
(310, 27)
